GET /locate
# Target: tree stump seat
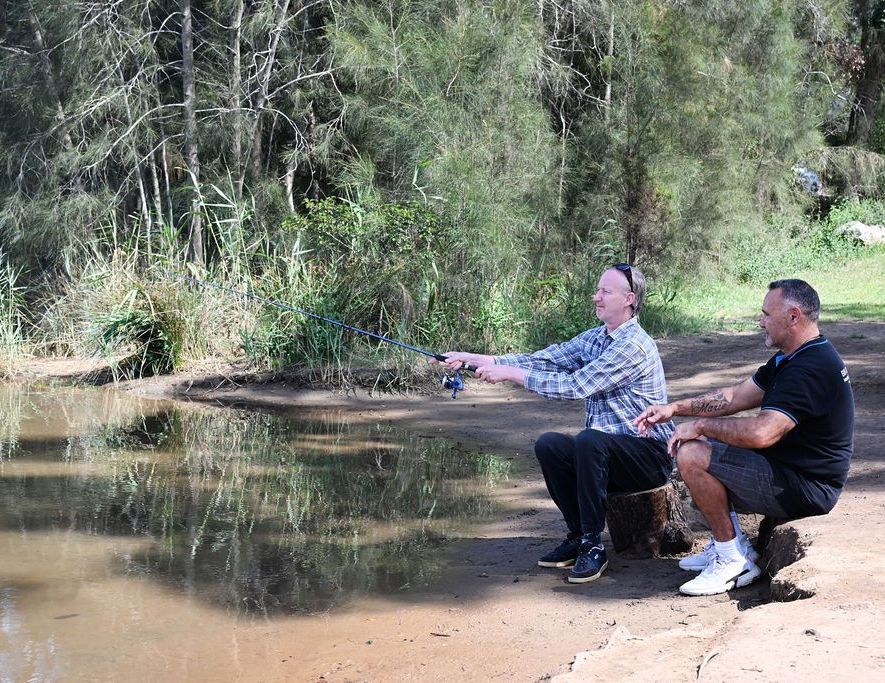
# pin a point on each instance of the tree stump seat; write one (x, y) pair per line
(648, 523)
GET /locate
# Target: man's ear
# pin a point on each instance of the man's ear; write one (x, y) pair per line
(795, 314)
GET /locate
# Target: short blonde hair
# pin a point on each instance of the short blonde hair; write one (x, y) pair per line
(636, 279)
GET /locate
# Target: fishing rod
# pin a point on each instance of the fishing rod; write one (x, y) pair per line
(454, 381)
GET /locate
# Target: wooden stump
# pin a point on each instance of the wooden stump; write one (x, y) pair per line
(648, 523)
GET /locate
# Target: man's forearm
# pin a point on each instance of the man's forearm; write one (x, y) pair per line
(743, 432)
(502, 373)
(711, 404)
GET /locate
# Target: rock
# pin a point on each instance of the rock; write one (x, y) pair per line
(867, 234)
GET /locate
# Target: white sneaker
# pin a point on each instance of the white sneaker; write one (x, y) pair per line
(721, 575)
(699, 561)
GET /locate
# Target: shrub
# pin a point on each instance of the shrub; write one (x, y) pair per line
(776, 253)
(147, 326)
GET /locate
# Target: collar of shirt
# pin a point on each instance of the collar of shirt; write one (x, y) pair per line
(624, 329)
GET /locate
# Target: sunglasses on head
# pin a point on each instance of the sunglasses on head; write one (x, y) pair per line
(626, 269)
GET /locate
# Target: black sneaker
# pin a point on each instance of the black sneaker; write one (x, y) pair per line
(563, 555)
(590, 563)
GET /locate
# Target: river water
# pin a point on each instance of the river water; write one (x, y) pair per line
(130, 527)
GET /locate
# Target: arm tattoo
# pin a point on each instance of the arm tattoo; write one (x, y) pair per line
(714, 402)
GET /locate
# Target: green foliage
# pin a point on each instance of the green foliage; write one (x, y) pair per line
(12, 339)
(451, 174)
(560, 299)
(685, 130)
(713, 300)
(876, 141)
(376, 236)
(92, 122)
(146, 327)
(664, 313)
(852, 172)
(374, 267)
(869, 211)
(144, 321)
(283, 337)
(759, 259)
(443, 106)
(787, 244)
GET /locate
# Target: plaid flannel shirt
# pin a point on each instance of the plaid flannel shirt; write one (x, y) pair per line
(618, 375)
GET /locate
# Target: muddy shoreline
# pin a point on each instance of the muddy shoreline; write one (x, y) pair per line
(497, 615)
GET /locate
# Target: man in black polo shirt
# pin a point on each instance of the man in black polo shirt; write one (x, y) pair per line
(789, 460)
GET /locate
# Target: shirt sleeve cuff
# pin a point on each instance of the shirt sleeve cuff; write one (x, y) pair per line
(781, 410)
(532, 381)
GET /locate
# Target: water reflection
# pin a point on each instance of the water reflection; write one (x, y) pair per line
(251, 511)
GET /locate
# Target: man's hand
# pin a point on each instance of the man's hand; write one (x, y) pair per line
(653, 415)
(686, 431)
(455, 360)
(494, 374)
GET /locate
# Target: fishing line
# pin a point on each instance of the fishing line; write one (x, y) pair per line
(454, 381)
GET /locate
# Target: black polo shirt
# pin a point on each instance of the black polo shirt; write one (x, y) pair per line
(811, 386)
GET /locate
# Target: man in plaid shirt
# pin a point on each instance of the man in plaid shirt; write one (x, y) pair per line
(616, 369)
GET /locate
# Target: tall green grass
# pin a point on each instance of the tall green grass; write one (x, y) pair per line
(12, 338)
(134, 301)
(394, 269)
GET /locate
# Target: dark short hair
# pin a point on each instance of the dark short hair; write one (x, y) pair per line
(801, 294)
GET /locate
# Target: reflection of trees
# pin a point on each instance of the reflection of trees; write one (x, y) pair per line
(49, 412)
(11, 405)
(259, 512)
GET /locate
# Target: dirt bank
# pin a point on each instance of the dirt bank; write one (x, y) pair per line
(498, 616)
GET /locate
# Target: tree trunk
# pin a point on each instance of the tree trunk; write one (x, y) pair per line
(195, 242)
(291, 167)
(144, 204)
(46, 67)
(236, 97)
(634, 180)
(263, 87)
(170, 218)
(648, 523)
(610, 55)
(155, 186)
(869, 87)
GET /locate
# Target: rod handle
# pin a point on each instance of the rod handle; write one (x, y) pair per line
(466, 366)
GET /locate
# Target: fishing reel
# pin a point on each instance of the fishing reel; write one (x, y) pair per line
(453, 381)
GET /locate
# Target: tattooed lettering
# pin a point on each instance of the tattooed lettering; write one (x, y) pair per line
(713, 402)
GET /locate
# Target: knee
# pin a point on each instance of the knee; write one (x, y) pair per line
(693, 457)
(550, 444)
(590, 441)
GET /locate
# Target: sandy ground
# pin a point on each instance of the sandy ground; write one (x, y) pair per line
(499, 616)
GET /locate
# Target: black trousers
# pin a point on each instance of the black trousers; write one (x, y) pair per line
(581, 470)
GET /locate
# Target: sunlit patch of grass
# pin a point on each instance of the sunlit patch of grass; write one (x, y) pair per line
(853, 290)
